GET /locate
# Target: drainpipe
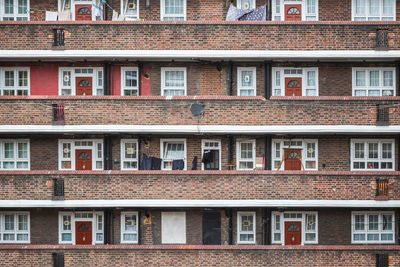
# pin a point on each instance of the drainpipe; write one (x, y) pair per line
(267, 79)
(267, 226)
(107, 86)
(140, 70)
(268, 152)
(230, 78)
(269, 10)
(139, 151)
(107, 153)
(230, 149)
(228, 213)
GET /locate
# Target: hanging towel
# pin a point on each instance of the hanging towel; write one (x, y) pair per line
(194, 163)
(258, 14)
(146, 162)
(156, 163)
(64, 16)
(178, 164)
(51, 16)
(115, 16)
(235, 13)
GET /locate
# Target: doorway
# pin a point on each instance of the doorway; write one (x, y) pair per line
(83, 12)
(293, 233)
(83, 160)
(84, 86)
(292, 159)
(293, 86)
(293, 12)
(83, 234)
(211, 228)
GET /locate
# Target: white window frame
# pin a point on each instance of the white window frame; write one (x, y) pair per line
(94, 149)
(15, 232)
(16, 71)
(204, 147)
(304, 7)
(166, 16)
(15, 159)
(95, 79)
(94, 221)
(123, 8)
(239, 79)
(303, 76)
(239, 223)
(367, 86)
(163, 87)
(78, 2)
(252, 4)
(380, 16)
(238, 153)
(184, 233)
(303, 148)
(303, 226)
(123, 159)
(123, 80)
(180, 140)
(15, 14)
(380, 230)
(365, 160)
(123, 231)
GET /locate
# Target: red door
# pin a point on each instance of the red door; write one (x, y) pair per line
(84, 86)
(83, 160)
(83, 12)
(292, 86)
(83, 234)
(292, 159)
(292, 12)
(292, 233)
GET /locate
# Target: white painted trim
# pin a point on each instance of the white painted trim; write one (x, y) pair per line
(123, 80)
(367, 86)
(203, 147)
(93, 75)
(282, 4)
(365, 160)
(15, 231)
(238, 153)
(93, 148)
(130, 213)
(130, 17)
(77, 2)
(353, 11)
(252, 4)
(165, 203)
(15, 159)
(173, 140)
(123, 142)
(163, 15)
(303, 76)
(163, 87)
(239, 79)
(16, 79)
(15, 14)
(199, 129)
(239, 223)
(379, 231)
(303, 148)
(244, 55)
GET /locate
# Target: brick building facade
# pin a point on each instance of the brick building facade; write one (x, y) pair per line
(156, 133)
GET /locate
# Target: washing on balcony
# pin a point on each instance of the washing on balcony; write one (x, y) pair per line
(247, 14)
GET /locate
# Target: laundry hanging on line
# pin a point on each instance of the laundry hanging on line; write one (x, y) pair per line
(237, 14)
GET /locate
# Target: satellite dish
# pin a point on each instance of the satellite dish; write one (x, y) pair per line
(197, 109)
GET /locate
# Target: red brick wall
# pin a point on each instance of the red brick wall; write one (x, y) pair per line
(188, 36)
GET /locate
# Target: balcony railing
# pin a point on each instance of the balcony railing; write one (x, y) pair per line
(382, 115)
(58, 188)
(58, 114)
(59, 38)
(382, 39)
(382, 189)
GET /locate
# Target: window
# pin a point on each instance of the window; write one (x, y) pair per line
(211, 154)
(66, 226)
(246, 4)
(309, 9)
(129, 81)
(173, 10)
(130, 9)
(14, 227)
(372, 155)
(308, 76)
(173, 227)
(173, 81)
(309, 153)
(374, 10)
(372, 227)
(14, 10)
(246, 154)
(172, 149)
(309, 221)
(246, 82)
(69, 6)
(129, 227)
(14, 155)
(69, 76)
(374, 82)
(14, 81)
(129, 154)
(246, 222)
(67, 149)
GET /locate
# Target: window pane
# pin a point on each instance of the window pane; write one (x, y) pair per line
(373, 237)
(388, 7)
(387, 222)
(360, 78)
(360, 7)
(311, 78)
(66, 237)
(310, 237)
(359, 150)
(247, 223)
(310, 150)
(9, 222)
(310, 6)
(373, 150)
(9, 150)
(22, 222)
(9, 78)
(387, 150)
(130, 151)
(22, 150)
(66, 223)
(247, 79)
(246, 150)
(387, 237)
(359, 237)
(131, 78)
(66, 150)
(174, 7)
(373, 222)
(278, 78)
(130, 237)
(359, 222)
(22, 6)
(374, 7)
(130, 223)
(388, 78)
(174, 79)
(22, 78)
(374, 78)
(8, 6)
(310, 222)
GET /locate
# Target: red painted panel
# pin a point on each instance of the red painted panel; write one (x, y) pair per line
(115, 80)
(44, 79)
(145, 84)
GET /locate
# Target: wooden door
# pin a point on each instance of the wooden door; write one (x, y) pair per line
(83, 160)
(292, 233)
(293, 87)
(83, 12)
(83, 233)
(84, 86)
(211, 228)
(292, 159)
(292, 12)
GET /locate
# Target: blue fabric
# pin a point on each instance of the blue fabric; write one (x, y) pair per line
(235, 13)
(194, 163)
(258, 14)
(146, 162)
(178, 164)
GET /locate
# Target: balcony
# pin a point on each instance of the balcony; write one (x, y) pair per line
(201, 35)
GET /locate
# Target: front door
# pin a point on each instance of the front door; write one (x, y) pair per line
(84, 86)
(293, 86)
(83, 160)
(83, 12)
(83, 234)
(211, 228)
(292, 12)
(292, 233)
(292, 159)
